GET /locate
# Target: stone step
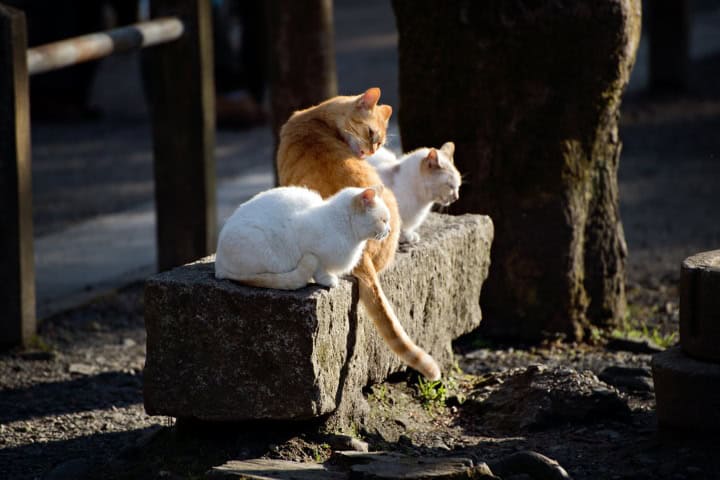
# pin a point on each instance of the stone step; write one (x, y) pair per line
(220, 351)
(687, 391)
(700, 306)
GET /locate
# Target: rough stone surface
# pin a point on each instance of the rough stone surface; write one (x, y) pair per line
(532, 464)
(267, 469)
(354, 465)
(538, 397)
(687, 391)
(392, 466)
(217, 350)
(700, 306)
(537, 137)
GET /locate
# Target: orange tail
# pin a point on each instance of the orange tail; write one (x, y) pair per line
(379, 309)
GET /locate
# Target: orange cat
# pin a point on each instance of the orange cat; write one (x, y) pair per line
(322, 148)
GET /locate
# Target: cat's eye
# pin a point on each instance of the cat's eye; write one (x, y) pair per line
(372, 135)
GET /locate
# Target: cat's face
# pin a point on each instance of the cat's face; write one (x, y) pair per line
(442, 180)
(365, 123)
(370, 215)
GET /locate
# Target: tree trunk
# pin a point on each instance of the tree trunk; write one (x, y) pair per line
(302, 57)
(530, 94)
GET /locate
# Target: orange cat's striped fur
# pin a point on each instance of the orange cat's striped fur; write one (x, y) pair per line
(322, 148)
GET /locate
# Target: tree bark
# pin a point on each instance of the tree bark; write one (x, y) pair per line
(530, 94)
(302, 53)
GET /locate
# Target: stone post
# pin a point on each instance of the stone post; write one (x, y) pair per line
(529, 92)
(687, 377)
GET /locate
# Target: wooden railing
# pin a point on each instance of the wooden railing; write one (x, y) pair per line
(179, 74)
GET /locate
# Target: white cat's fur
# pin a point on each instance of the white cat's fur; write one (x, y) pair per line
(283, 237)
(418, 179)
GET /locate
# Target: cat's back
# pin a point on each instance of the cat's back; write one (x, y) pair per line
(311, 154)
(274, 206)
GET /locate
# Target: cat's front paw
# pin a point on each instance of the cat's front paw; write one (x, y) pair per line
(327, 280)
(409, 237)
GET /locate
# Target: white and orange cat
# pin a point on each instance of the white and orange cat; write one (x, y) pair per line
(418, 179)
(283, 237)
(323, 148)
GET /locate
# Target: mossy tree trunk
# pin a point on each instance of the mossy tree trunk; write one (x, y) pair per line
(530, 94)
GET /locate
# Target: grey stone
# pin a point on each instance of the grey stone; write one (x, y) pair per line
(687, 391)
(356, 465)
(267, 469)
(217, 350)
(532, 464)
(345, 442)
(700, 305)
(81, 368)
(538, 397)
(391, 466)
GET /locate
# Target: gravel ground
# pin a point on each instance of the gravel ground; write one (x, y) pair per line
(74, 404)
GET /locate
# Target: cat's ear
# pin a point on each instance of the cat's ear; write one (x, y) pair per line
(366, 199)
(431, 160)
(379, 188)
(369, 99)
(448, 149)
(385, 111)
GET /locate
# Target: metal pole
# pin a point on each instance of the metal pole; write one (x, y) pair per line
(64, 53)
(17, 269)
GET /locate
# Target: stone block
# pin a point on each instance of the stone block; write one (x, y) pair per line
(217, 350)
(700, 306)
(687, 391)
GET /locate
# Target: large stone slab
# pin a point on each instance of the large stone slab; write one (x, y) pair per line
(687, 391)
(217, 350)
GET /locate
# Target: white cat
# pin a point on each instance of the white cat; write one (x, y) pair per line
(418, 179)
(283, 237)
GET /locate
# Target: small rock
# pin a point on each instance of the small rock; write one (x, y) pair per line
(440, 445)
(391, 466)
(74, 469)
(540, 398)
(402, 421)
(128, 343)
(81, 368)
(536, 465)
(345, 442)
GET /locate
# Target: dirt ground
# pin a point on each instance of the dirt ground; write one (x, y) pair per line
(75, 404)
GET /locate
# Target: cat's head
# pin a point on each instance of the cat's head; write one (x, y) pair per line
(363, 123)
(440, 177)
(370, 216)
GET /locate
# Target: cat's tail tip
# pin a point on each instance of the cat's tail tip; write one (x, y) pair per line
(429, 368)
